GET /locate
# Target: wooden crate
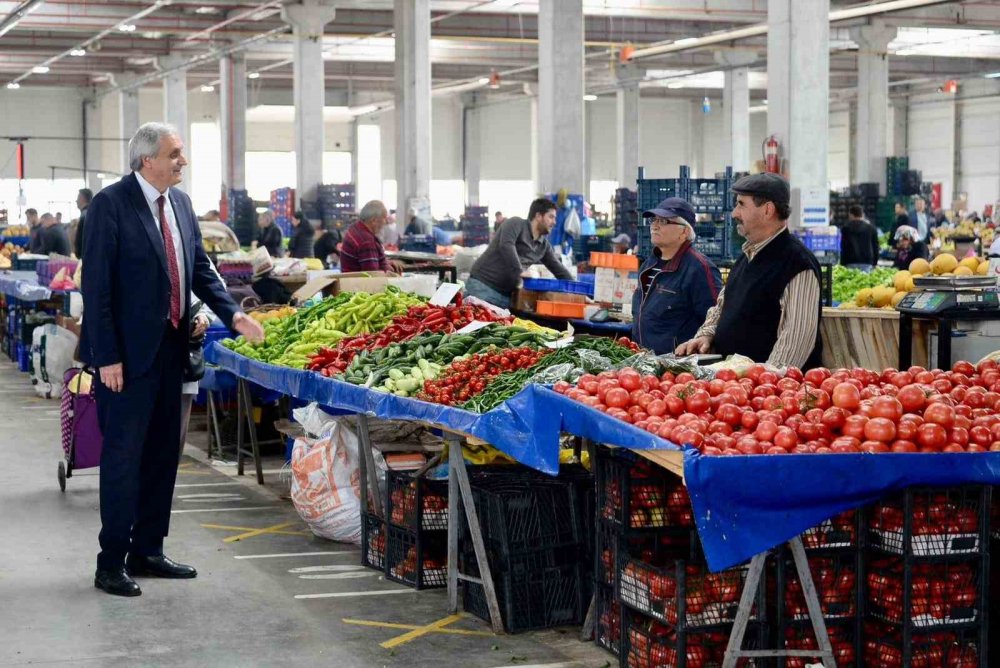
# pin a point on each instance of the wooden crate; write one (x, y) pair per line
(868, 338)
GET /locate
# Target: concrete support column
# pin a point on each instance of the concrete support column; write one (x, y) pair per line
(872, 135)
(695, 143)
(899, 122)
(627, 121)
(412, 20)
(233, 119)
(535, 144)
(798, 59)
(736, 107)
(128, 119)
(472, 147)
(308, 19)
(93, 158)
(560, 96)
(175, 102)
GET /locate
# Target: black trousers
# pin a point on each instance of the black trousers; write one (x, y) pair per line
(141, 429)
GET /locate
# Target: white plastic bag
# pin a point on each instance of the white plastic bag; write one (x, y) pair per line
(326, 484)
(52, 349)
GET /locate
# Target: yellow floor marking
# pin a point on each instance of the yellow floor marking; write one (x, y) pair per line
(185, 465)
(417, 631)
(186, 472)
(257, 532)
(251, 531)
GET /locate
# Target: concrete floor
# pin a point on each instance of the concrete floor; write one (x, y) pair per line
(264, 600)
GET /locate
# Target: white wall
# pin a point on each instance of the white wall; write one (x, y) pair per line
(506, 140)
(931, 140)
(978, 169)
(838, 164)
(42, 112)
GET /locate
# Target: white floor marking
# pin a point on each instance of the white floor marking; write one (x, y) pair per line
(290, 554)
(221, 510)
(348, 594)
(226, 498)
(209, 495)
(353, 575)
(326, 569)
(208, 484)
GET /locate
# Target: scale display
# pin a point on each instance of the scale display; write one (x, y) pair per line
(928, 302)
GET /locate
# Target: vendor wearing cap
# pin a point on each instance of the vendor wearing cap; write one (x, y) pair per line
(621, 244)
(677, 284)
(770, 308)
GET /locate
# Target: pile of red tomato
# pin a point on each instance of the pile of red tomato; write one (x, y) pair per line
(844, 411)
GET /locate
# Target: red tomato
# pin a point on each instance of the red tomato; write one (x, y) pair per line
(630, 379)
(904, 446)
(834, 417)
(775, 450)
(590, 387)
(815, 377)
(906, 430)
(749, 421)
(749, 445)
(845, 444)
(726, 375)
(720, 427)
(846, 396)
(938, 413)
(729, 413)
(854, 426)
(911, 397)
(794, 373)
(901, 379)
(874, 447)
(656, 407)
(766, 431)
(959, 435)
(980, 436)
(932, 435)
(617, 397)
(880, 429)
(697, 402)
(964, 368)
(561, 386)
(674, 404)
(785, 437)
(887, 407)
(953, 447)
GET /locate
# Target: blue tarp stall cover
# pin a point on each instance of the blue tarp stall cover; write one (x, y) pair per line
(24, 286)
(742, 505)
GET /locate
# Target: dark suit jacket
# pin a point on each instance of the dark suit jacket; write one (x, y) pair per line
(78, 240)
(126, 287)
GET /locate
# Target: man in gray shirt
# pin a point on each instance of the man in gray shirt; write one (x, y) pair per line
(517, 245)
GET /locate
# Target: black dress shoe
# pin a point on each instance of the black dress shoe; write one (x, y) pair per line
(116, 582)
(158, 567)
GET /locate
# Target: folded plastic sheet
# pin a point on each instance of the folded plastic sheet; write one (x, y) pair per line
(742, 505)
(23, 285)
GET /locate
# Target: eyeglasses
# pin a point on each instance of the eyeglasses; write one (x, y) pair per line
(660, 220)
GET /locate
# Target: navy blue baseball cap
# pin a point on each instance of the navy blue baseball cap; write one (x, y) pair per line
(672, 207)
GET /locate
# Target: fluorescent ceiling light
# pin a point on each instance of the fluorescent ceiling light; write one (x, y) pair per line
(484, 80)
(675, 84)
(78, 52)
(208, 89)
(40, 69)
(101, 175)
(126, 27)
(253, 75)
(589, 98)
(13, 85)
(992, 75)
(206, 10)
(686, 40)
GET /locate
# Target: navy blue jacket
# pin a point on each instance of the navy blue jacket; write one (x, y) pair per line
(125, 283)
(681, 292)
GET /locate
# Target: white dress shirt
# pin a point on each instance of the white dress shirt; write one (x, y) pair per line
(152, 194)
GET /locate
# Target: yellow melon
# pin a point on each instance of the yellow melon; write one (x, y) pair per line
(864, 297)
(896, 298)
(900, 279)
(909, 287)
(962, 270)
(882, 295)
(970, 262)
(944, 263)
(984, 268)
(919, 267)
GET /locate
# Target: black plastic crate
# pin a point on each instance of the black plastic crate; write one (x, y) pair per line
(373, 541)
(837, 579)
(416, 503)
(529, 597)
(634, 493)
(837, 533)
(607, 620)
(883, 645)
(417, 559)
(683, 594)
(931, 522)
(647, 643)
(523, 515)
(939, 596)
(844, 638)
(651, 192)
(420, 243)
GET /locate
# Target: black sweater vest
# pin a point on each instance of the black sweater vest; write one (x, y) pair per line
(751, 305)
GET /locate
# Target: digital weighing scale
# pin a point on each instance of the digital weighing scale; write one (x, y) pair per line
(945, 299)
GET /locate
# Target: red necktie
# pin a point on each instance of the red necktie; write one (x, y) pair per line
(175, 278)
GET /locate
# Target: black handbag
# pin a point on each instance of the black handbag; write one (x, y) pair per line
(194, 370)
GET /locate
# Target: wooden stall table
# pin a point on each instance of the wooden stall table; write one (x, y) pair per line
(868, 338)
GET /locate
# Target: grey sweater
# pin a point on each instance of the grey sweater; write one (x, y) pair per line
(512, 251)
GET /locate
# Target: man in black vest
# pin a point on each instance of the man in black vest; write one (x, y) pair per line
(770, 307)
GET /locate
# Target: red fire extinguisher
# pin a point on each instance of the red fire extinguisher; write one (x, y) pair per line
(771, 162)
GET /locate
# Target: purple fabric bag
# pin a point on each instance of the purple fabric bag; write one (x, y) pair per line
(81, 432)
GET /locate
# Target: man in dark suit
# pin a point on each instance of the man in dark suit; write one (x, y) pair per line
(83, 199)
(144, 258)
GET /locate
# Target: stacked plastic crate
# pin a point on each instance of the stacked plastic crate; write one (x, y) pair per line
(926, 578)
(415, 538)
(538, 546)
(657, 602)
(242, 217)
(283, 209)
(475, 226)
(716, 238)
(337, 202)
(627, 213)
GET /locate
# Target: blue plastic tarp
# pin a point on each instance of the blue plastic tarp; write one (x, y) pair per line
(742, 505)
(23, 285)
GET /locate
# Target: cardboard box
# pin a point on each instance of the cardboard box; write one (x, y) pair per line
(614, 286)
(365, 281)
(527, 300)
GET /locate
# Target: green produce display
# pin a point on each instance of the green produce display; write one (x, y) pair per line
(598, 354)
(289, 342)
(847, 281)
(373, 368)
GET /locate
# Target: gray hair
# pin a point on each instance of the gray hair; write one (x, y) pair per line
(267, 214)
(47, 216)
(372, 210)
(145, 143)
